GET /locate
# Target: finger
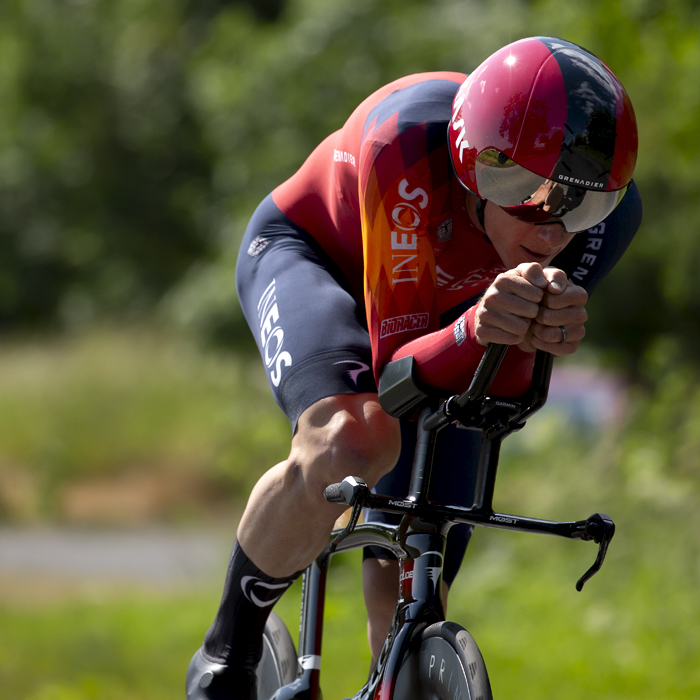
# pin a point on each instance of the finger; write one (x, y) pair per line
(554, 335)
(557, 348)
(570, 316)
(533, 273)
(573, 295)
(507, 304)
(557, 280)
(513, 283)
(526, 344)
(491, 334)
(507, 322)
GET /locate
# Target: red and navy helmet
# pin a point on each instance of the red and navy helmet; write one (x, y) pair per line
(546, 131)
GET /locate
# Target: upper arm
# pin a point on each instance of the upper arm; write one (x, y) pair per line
(592, 254)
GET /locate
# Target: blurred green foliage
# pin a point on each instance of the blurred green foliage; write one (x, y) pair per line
(631, 632)
(136, 138)
(104, 174)
(121, 414)
(88, 410)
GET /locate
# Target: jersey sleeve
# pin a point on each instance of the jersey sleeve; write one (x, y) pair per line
(448, 359)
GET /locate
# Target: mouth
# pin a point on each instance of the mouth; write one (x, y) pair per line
(533, 256)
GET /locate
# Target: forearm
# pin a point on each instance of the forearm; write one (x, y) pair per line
(448, 358)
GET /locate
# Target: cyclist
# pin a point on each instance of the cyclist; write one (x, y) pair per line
(447, 213)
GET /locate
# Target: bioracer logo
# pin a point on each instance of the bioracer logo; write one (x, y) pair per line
(400, 324)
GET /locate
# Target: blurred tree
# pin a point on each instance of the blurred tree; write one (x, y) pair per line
(267, 95)
(263, 10)
(104, 179)
(103, 165)
(652, 299)
(136, 138)
(265, 98)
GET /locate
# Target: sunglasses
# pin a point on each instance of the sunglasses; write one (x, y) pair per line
(531, 197)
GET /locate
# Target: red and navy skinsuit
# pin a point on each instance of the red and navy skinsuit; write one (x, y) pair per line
(367, 254)
(380, 198)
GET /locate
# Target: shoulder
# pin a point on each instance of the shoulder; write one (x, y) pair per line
(404, 127)
(422, 98)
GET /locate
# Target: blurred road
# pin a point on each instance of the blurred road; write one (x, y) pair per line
(148, 556)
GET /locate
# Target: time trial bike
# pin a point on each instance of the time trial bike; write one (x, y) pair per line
(423, 656)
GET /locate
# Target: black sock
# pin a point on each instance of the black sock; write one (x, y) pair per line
(235, 638)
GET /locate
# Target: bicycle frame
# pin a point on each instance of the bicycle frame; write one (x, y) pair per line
(419, 540)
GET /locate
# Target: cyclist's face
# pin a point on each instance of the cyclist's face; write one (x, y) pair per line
(519, 241)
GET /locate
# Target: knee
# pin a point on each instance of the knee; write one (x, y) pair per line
(348, 435)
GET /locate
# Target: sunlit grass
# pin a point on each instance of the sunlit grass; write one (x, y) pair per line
(100, 408)
(627, 635)
(135, 644)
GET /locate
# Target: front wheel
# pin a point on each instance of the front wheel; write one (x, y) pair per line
(278, 665)
(446, 664)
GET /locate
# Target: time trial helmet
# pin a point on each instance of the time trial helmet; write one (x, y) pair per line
(545, 130)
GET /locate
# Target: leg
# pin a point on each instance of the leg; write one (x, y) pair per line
(380, 582)
(287, 521)
(285, 526)
(317, 355)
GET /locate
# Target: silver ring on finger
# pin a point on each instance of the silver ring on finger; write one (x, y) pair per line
(564, 334)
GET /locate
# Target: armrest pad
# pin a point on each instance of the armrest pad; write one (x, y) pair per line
(399, 390)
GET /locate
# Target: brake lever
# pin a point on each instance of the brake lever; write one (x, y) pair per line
(599, 528)
(351, 491)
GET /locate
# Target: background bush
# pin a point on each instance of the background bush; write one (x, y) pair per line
(137, 137)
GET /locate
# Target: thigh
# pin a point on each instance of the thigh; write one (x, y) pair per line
(307, 324)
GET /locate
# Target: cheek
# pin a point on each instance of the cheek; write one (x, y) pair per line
(553, 238)
(524, 235)
(504, 228)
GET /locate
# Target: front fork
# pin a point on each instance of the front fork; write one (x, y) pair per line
(420, 603)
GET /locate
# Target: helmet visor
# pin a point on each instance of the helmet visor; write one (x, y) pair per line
(531, 197)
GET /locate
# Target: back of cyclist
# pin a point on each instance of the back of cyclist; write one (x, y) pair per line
(441, 217)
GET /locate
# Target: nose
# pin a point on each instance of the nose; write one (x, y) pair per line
(553, 234)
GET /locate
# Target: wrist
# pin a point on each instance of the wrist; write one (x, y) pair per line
(470, 326)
